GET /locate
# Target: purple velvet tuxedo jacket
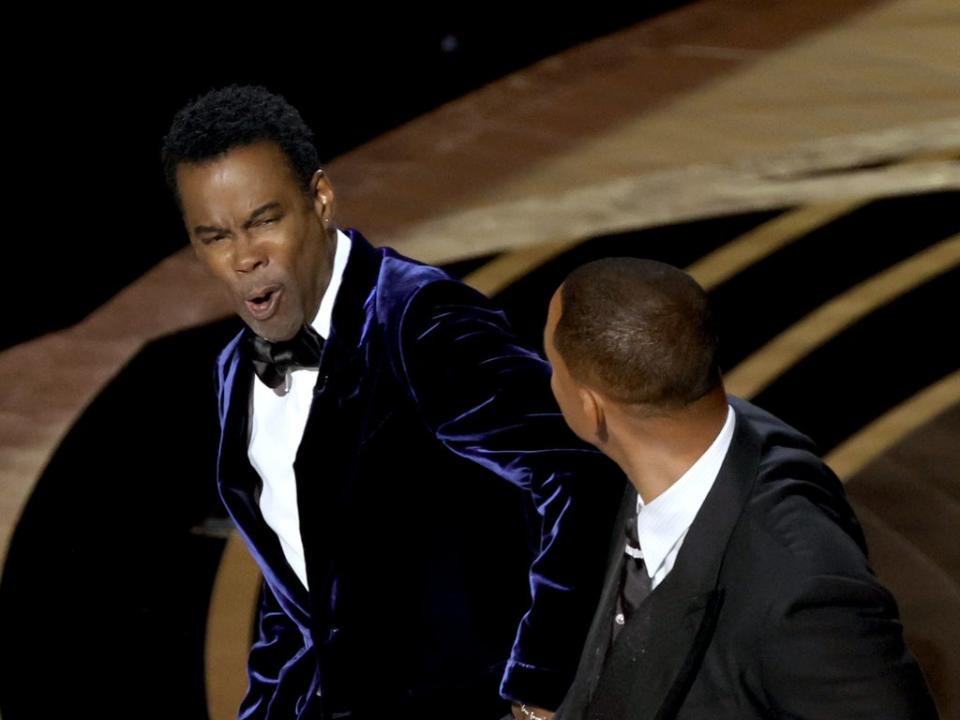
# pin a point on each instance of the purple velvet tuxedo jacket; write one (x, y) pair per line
(431, 579)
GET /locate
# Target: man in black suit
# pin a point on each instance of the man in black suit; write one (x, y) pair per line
(738, 583)
(370, 411)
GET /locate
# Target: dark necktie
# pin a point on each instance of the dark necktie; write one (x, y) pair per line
(634, 580)
(273, 360)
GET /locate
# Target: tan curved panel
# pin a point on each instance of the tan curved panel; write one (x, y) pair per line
(230, 629)
(883, 433)
(929, 604)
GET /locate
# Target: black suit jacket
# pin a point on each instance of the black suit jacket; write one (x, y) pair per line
(420, 560)
(771, 609)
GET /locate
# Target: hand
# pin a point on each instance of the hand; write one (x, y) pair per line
(530, 712)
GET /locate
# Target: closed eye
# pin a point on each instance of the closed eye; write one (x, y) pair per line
(264, 222)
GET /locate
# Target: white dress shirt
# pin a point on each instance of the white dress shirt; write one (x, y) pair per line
(277, 424)
(662, 524)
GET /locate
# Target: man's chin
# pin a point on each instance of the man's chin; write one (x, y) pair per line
(273, 331)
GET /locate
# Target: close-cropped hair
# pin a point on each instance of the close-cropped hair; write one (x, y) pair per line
(640, 331)
(234, 116)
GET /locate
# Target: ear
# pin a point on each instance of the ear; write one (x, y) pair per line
(594, 414)
(323, 197)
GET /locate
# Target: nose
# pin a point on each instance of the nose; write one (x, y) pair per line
(248, 254)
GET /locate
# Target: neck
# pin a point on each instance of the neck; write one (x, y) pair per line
(325, 275)
(655, 450)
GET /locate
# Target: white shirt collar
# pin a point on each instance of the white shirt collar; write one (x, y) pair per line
(321, 323)
(664, 521)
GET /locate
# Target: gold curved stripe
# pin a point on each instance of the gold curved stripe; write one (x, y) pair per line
(501, 272)
(886, 431)
(764, 240)
(769, 362)
(229, 629)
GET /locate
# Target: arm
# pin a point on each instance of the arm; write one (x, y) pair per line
(487, 399)
(837, 650)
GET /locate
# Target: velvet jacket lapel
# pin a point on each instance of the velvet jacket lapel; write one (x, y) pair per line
(339, 421)
(239, 484)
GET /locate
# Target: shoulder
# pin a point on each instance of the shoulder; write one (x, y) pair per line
(797, 517)
(420, 305)
(407, 288)
(771, 430)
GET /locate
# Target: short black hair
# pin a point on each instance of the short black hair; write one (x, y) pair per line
(639, 330)
(234, 116)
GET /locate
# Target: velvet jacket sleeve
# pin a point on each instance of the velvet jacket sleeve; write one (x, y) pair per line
(488, 399)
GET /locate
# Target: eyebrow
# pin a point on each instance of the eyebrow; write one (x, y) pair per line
(254, 216)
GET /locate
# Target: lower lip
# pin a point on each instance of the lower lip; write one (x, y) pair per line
(264, 311)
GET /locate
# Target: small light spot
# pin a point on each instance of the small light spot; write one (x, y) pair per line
(449, 44)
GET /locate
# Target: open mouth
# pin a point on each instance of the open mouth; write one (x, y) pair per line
(263, 304)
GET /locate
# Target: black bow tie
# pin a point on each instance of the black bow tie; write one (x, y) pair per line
(273, 360)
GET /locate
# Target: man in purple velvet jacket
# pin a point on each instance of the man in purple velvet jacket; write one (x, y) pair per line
(370, 411)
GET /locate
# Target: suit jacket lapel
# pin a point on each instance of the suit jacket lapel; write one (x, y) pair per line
(657, 655)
